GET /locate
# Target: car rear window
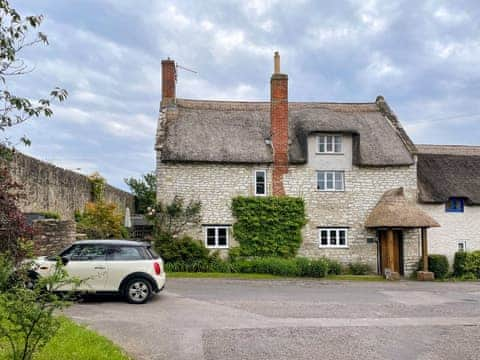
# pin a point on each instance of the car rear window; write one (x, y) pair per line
(153, 253)
(123, 253)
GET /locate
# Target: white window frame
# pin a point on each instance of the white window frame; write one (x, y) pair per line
(323, 139)
(464, 242)
(216, 227)
(325, 177)
(337, 232)
(255, 182)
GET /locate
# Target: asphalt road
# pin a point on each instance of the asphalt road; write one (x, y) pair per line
(284, 319)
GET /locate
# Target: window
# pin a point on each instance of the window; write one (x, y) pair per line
(260, 182)
(462, 245)
(333, 238)
(125, 253)
(88, 252)
(454, 205)
(330, 181)
(216, 237)
(329, 144)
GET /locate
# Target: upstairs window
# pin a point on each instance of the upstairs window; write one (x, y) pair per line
(333, 238)
(329, 144)
(462, 245)
(455, 205)
(216, 237)
(330, 181)
(260, 179)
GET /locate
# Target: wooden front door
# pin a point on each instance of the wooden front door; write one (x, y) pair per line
(391, 248)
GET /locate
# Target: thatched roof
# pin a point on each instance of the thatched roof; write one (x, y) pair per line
(227, 131)
(393, 210)
(448, 171)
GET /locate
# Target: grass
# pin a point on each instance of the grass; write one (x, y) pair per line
(76, 342)
(269, 277)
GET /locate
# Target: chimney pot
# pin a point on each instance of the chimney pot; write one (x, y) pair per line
(276, 62)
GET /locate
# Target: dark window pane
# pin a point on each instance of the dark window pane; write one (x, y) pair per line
(338, 180)
(333, 237)
(321, 180)
(88, 253)
(341, 237)
(210, 236)
(324, 237)
(338, 144)
(222, 237)
(329, 181)
(329, 143)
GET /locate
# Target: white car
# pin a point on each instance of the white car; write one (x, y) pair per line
(129, 268)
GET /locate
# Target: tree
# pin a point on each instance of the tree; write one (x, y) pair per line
(15, 36)
(145, 191)
(101, 220)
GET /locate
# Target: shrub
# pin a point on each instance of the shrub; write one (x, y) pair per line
(268, 226)
(318, 268)
(334, 267)
(359, 268)
(50, 215)
(438, 264)
(273, 266)
(184, 249)
(100, 220)
(467, 264)
(303, 265)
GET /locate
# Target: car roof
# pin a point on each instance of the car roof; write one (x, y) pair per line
(112, 242)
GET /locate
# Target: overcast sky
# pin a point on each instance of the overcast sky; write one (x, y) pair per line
(423, 56)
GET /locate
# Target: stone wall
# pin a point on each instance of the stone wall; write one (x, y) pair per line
(51, 236)
(455, 227)
(214, 185)
(51, 188)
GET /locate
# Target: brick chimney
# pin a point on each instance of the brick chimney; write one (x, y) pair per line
(169, 79)
(279, 126)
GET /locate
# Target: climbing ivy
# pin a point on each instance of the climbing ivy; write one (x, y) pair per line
(98, 187)
(268, 226)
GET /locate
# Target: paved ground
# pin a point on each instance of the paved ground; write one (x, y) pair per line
(237, 319)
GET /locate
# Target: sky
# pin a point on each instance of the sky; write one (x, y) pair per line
(422, 56)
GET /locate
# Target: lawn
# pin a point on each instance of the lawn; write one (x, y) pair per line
(76, 342)
(269, 277)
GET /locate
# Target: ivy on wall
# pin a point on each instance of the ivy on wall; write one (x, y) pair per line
(268, 226)
(98, 187)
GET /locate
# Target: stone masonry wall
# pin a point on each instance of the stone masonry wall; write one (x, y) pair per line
(51, 236)
(216, 184)
(455, 227)
(51, 188)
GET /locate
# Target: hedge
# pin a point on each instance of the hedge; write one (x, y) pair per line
(438, 264)
(268, 226)
(467, 264)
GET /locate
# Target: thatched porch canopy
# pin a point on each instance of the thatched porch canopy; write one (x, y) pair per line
(393, 210)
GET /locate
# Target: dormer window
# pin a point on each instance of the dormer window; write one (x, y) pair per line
(455, 205)
(329, 144)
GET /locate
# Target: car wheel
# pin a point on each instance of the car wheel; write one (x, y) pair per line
(138, 291)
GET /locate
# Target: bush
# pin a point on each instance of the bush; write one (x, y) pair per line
(359, 268)
(273, 266)
(318, 268)
(50, 215)
(100, 220)
(467, 264)
(268, 226)
(438, 264)
(334, 267)
(184, 249)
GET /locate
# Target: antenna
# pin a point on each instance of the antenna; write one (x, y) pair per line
(187, 69)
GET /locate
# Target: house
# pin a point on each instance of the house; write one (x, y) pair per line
(352, 163)
(449, 191)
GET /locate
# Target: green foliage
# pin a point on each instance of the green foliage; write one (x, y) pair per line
(18, 33)
(50, 215)
(27, 319)
(101, 220)
(268, 226)
(438, 264)
(467, 265)
(184, 249)
(273, 266)
(170, 220)
(145, 191)
(98, 187)
(334, 267)
(359, 268)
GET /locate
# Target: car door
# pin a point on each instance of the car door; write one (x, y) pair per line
(87, 262)
(123, 261)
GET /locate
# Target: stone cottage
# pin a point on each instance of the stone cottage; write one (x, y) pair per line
(449, 191)
(352, 163)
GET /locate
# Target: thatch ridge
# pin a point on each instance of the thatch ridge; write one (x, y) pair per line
(393, 210)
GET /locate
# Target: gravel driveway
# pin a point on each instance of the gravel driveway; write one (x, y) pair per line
(285, 319)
